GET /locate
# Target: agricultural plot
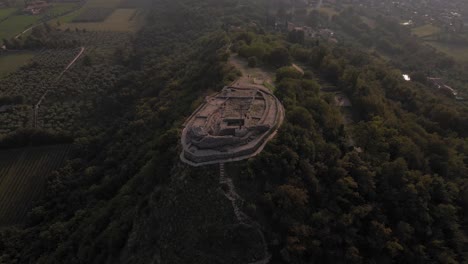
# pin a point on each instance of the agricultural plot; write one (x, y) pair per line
(67, 108)
(425, 31)
(103, 3)
(121, 20)
(15, 117)
(56, 59)
(133, 3)
(330, 12)
(6, 12)
(61, 8)
(11, 62)
(64, 117)
(96, 14)
(89, 5)
(71, 98)
(23, 176)
(17, 23)
(38, 76)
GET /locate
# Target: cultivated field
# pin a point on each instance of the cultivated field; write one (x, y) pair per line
(121, 20)
(11, 62)
(17, 23)
(23, 175)
(330, 12)
(103, 3)
(5, 12)
(425, 31)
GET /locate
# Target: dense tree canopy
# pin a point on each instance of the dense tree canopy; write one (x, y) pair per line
(381, 181)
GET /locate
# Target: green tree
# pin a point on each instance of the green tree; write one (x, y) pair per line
(279, 57)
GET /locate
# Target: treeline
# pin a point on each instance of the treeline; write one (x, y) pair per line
(33, 137)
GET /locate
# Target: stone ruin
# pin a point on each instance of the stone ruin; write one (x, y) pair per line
(231, 125)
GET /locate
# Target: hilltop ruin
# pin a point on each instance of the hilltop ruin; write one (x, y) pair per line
(232, 125)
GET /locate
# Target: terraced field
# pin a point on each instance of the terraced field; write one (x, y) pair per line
(23, 175)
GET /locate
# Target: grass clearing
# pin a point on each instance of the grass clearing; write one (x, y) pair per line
(11, 62)
(121, 20)
(425, 31)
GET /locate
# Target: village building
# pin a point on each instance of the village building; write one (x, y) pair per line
(36, 7)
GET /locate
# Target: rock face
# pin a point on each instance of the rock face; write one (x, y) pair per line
(231, 125)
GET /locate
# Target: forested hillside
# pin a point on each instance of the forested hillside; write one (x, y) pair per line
(384, 181)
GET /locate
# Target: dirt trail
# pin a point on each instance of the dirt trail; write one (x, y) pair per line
(237, 202)
(38, 104)
(26, 30)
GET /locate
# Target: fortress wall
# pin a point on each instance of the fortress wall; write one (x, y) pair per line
(273, 116)
(267, 109)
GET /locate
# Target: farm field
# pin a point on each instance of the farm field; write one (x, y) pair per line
(328, 11)
(121, 20)
(11, 62)
(60, 8)
(5, 12)
(70, 98)
(15, 25)
(457, 52)
(23, 176)
(98, 7)
(18, 23)
(425, 31)
(103, 3)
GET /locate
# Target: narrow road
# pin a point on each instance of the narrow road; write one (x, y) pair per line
(26, 30)
(38, 104)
